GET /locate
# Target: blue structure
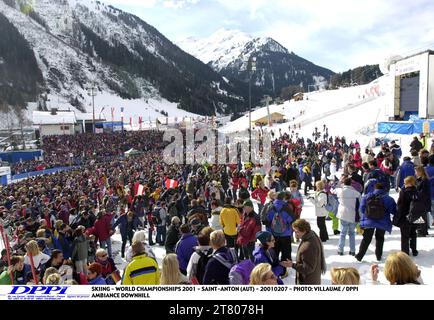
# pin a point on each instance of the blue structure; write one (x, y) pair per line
(5, 176)
(42, 172)
(406, 128)
(18, 156)
(109, 126)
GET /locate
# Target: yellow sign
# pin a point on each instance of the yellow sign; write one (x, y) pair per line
(426, 128)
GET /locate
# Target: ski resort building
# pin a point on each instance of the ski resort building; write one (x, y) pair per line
(58, 122)
(412, 83)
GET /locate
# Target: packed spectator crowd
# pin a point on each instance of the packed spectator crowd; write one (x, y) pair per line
(60, 226)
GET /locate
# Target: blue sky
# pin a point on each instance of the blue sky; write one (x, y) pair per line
(337, 34)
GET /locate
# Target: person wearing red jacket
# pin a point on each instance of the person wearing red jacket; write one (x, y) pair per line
(103, 230)
(358, 159)
(260, 194)
(247, 233)
(235, 184)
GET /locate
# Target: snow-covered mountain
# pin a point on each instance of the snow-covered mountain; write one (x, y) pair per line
(227, 51)
(79, 42)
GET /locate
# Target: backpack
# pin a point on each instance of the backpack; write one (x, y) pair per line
(328, 206)
(201, 264)
(278, 225)
(375, 208)
(239, 272)
(417, 211)
(356, 185)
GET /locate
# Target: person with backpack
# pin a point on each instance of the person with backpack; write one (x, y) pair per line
(265, 253)
(281, 218)
(230, 220)
(200, 257)
(271, 197)
(216, 273)
(247, 233)
(320, 201)
(374, 177)
(404, 171)
(348, 198)
(423, 187)
(185, 247)
(408, 229)
(376, 209)
(310, 262)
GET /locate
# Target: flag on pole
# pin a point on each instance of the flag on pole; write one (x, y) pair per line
(140, 190)
(171, 184)
(140, 122)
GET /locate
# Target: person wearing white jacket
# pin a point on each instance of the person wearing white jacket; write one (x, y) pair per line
(320, 201)
(333, 170)
(347, 197)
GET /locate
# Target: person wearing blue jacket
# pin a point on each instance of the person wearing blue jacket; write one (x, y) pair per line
(377, 226)
(217, 273)
(128, 224)
(395, 149)
(405, 170)
(185, 247)
(281, 217)
(430, 174)
(264, 253)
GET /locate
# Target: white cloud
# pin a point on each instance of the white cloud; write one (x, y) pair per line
(338, 34)
(178, 4)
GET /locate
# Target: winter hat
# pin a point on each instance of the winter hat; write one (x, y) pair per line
(195, 222)
(264, 237)
(248, 203)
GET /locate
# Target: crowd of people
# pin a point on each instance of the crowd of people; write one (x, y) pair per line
(60, 226)
(67, 150)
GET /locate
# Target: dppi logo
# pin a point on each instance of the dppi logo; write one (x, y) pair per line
(44, 290)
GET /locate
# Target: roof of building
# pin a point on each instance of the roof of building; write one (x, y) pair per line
(46, 117)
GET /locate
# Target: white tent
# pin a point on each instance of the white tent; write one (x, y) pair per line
(132, 152)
